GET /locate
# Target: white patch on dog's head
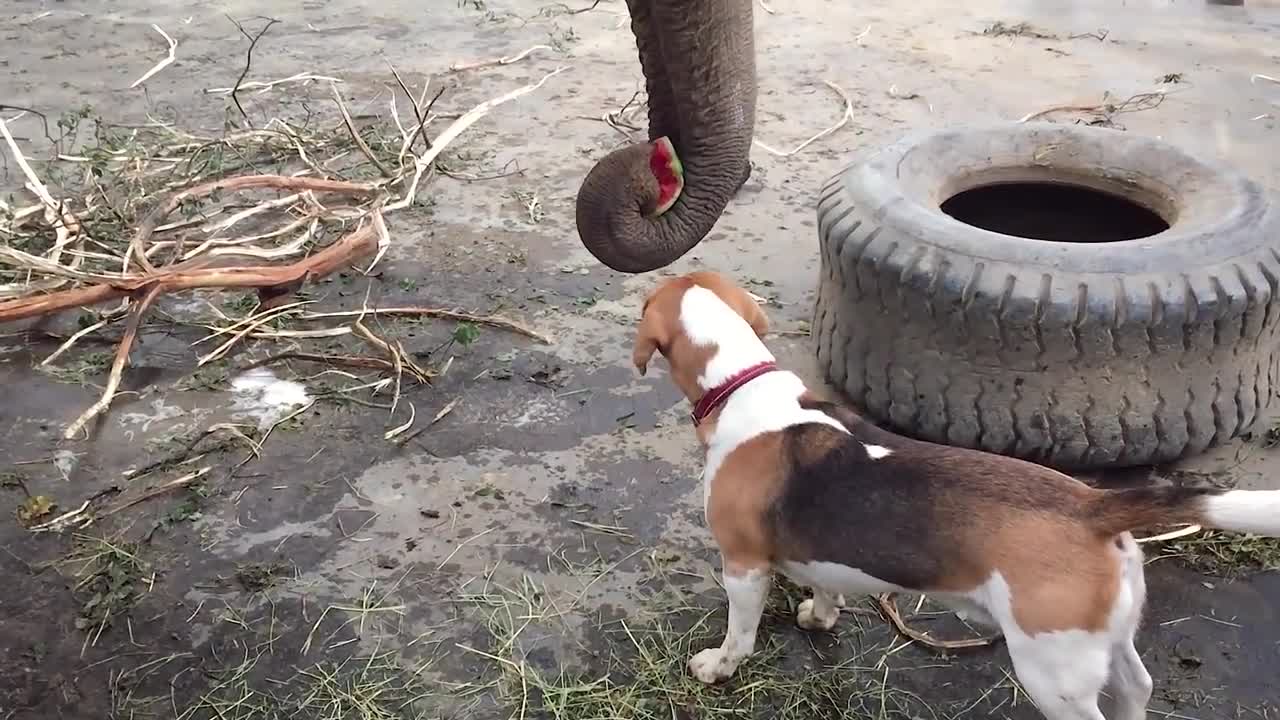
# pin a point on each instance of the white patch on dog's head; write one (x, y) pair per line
(707, 320)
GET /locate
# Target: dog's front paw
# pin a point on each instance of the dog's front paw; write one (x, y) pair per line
(711, 666)
(810, 620)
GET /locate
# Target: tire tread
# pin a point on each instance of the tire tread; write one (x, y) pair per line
(1198, 348)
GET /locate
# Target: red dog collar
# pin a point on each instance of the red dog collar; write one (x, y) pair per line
(716, 396)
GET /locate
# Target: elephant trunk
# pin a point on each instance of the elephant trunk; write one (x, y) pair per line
(644, 206)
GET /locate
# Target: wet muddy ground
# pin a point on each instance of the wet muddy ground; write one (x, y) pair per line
(540, 549)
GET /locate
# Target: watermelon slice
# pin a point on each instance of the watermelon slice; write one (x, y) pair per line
(669, 173)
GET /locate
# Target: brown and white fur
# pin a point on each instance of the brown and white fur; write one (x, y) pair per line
(808, 489)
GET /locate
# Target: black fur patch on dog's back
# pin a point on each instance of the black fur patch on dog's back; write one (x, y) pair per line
(840, 505)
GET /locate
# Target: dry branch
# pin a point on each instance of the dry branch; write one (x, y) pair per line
(173, 48)
(137, 309)
(396, 353)
(248, 59)
(174, 484)
(355, 361)
(355, 134)
(891, 614)
(138, 268)
(265, 86)
(227, 223)
(66, 345)
(33, 180)
(354, 245)
(467, 119)
(438, 417)
(417, 112)
(845, 117)
(266, 314)
(1104, 113)
(493, 320)
(459, 67)
(250, 325)
(137, 244)
(1171, 535)
(27, 261)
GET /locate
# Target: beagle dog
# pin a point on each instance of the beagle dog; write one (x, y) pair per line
(807, 488)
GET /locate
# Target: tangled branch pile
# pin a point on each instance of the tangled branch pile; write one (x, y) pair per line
(151, 210)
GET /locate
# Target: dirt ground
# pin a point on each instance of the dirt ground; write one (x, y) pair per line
(540, 550)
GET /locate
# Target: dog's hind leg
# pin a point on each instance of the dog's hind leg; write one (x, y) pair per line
(819, 612)
(748, 589)
(1063, 672)
(1130, 683)
(967, 610)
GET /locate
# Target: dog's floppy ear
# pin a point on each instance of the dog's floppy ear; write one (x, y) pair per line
(746, 306)
(755, 316)
(650, 336)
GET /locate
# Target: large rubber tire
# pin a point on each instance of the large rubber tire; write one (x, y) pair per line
(1073, 354)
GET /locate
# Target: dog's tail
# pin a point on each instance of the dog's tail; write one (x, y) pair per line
(1246, 511)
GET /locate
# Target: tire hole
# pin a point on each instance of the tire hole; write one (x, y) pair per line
(1056, 212)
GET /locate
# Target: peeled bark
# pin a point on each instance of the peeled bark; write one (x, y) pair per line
(698, 58)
